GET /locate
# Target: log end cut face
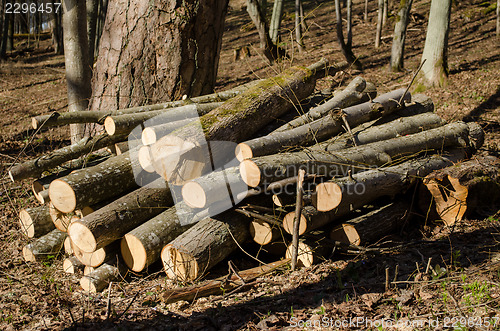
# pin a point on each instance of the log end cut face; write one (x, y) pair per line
(26, 224)
(288, 223)
(62, 196)
(261, 232)
(82, 237)
(109, 125)
(194, 195)
(250, 173)
(148, 136)
(178, 264)
(68, 266)
(347, 234)
(133, 253)
(28, 254)
(305, 256)
(87, 284)
(93, 259)
(328, 196)
(243, 151)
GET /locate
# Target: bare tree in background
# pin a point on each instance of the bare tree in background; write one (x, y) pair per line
(56, 30)
(92, 13)
(346, 50)
(380, 19)
(274, 25)
(270, 49)
(299, 17)
(398, 40)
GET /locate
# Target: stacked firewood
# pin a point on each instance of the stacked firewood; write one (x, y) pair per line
(200, 179)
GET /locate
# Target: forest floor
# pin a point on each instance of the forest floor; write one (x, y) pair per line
(347, 292)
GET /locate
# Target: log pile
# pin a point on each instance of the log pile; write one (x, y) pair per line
(178, 198)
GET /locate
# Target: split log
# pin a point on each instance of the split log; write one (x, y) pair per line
(174, 156)
(100, 278)
(142, 246)
(351, 95)
(263, 233)
(124, 124)
(220, 285)
(323, 128)
(71, 265)
(365, 187)
(311, 251)
(111, 222)
(61, 220)
(35, 222)
(465, 187)
(372, 226)
(44, 247)
(97, 257)
(58, 119)
(68, 246)
(260, 170)
(34, 168)
(208, 242)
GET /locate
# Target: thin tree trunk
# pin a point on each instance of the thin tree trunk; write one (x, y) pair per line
(348, 54)
(398, 41)
(5, 34)
(274, 26)
(349, 24)
(385, 13)
(380, 16)
(92, 12)
(365, 13)
(266, 44)
(298, 25)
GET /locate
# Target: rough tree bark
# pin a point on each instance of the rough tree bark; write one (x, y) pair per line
(398, 40)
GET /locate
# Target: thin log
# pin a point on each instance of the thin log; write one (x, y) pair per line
(311, 251)
(322, 128)
(71, 265)
(192, 254)
(262, 232)
(151, 134)
(100, 278)
(296, 221)
(35, 222)
(122, 147)
(88, 270)
(111, 222)
(44, 247)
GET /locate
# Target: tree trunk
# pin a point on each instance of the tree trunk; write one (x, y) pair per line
(385, 12)
(192, 254)
(45, 247)
(8, 17)
(398, 40)
(57, 31)
(322, 128)
(99, 278)
(111, 222)
(380, 17)
(266, 44)
(78, 70)
(365, 13)
(435, 69)
(103, 8)
(347, 51)
(465, 187)
(274, 26)
(92, 12)
(298, 25)
(153, 52)
(349, 24)
(35, 222)
(266, 169)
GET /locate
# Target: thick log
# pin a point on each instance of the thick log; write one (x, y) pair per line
(97, 257)
(173, 155)
(220, 285)
(34, 168)
(365, 187)
(71, 265)
(264, 169)
(351, 95)
(323, 128)
(44, 247)
(464, 187)
(372, 226)
(62, 220)
(263, 233)
(124, 124)
(311, 251)
(208, 242)
(40, 186)
(35, 222)
(142, 246)
(99, 279)
(111, 222)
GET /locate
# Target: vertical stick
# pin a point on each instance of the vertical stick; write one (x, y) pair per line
(365, 14)
(296, 221)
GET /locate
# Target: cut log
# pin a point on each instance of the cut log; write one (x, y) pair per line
(220, 285)
(322, 128)
(88, 270)
(97, 257)
(465, 187)
(68, 246)
(287, 200)
(173, 155)
(372, 226)
(35, 222)
(264, 169)
(111, 222)
(145, 159)
(62, 220)
(71, 265)
(122, 147)
(57, 119)
(312, 251)
(263, 233)
(327, 196)
(193, 253)
(152, 133)
(367, 186)
(142, 246)
(351, 95)
(100, 278)
(45, 247)
(34, 168)
(124, 124)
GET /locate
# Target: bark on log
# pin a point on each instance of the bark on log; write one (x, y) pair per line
(97, 257)
(122, 147)
(323, 128)
(260, 170)
(208, 242)
(34, 168)
(44, 247)
(372, 226)
(100, 278)
(464, 187)
(142, 246)
(124, 124)
(111, 222)
(367, 186)
(351, 95)
(35, 222)
(312, 251)
(152, 134)
(220, 285)
(71, 265)
(259, 105)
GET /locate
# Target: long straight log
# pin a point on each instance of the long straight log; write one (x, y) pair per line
(174, 156)
(111, 222)
(99, 278)
(34, 168)
(323, 128)
(208, 242)
(124, 124)
(35, 222)
(367, 186)
(44, 247)
(260, 170)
